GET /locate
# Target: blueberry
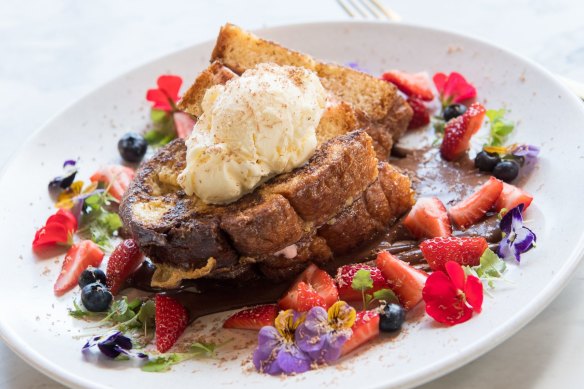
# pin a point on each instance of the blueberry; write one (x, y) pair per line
(96, 297)
(453, 111)
(90, 276)
(507, 170)
(132, 147)
(392, 318)
(486, 162)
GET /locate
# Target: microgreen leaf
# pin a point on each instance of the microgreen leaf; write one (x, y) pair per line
(490, 268)
(362, 280)
(500, 127)
(98, 223)
(165, 361)
(386, 295)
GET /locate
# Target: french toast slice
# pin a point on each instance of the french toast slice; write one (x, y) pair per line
(183, 231)
(381, 111)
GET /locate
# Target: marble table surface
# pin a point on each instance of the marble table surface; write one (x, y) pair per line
(54, 51)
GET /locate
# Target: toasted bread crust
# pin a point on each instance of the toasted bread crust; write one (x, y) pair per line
(385, 114)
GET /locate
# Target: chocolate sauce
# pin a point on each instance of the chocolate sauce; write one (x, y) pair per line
(430, 176)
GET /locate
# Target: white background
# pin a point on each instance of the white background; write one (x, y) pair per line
(53, 52)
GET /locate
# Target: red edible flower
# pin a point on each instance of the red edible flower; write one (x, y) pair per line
(58, 230)
(453, 88)
(165, 97)
(451, 297)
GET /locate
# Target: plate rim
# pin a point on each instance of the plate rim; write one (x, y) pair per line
(429, 373)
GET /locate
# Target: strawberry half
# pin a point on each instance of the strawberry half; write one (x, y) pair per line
(116, 177)
(344, 280)
(365, 328)
(171, 320)
(412, 84)
(124, 261)
(183, 123)
(314, 287)
(253, 318)
(473, 208)
(458, 131)
(511, 196)
(421, 116)
(464, 251)
(428, 219)
(78, 258)
(406, 281)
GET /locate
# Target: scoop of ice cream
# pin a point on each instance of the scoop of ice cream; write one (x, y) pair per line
(252, 128)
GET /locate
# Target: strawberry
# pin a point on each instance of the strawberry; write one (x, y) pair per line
(171, 320)
(406, 281)
(344, 280)
(464, 251)
(458, 131)
(473, 208)
(116, 177)
(421, 116)
(183, 123)
(314, 287)
(124, 261)
(511, 196)
(412, 84)
(253, 318)
(365, 328)
(428, 218)
(78, 258)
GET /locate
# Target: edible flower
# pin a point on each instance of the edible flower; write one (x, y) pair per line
(355, 66)
(452, 297)
(453, 88)
(323, 334)
(70, 196)
(529, 152)
(166, 96)
(112, 345)
(517, 239)
(58, 230)
(277, 351)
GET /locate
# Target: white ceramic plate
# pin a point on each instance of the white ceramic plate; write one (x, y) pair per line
(35, 324)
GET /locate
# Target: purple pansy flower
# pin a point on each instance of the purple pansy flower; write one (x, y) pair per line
(517, 239)
(528, 152)
(323, 334)
(355, 66)
(277, 351)
(112, 345)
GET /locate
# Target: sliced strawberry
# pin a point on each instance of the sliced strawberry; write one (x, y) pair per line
(464, 251)
(78, 258)
(365, 328)
(253, 318)
(473, 208)
(314, 287)
(412, 84)
(171, 320)
(124, 261)
(406, 281)
(116, 177)
(511, 196)
(421, 116)
(183, 123)
(428, 219)
(344, 280)
(458, 131)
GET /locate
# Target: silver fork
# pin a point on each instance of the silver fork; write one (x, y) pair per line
(375, 9)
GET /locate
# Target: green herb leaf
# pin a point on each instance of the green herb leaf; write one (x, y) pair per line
(79, 312)
(500, 127)
(386, 295)
(164, 362)
(97, 222)
(163, 130)
(362, 280)
(490, 268)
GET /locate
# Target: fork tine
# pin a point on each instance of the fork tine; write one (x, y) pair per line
(346, 8)
(372, 9)
(389, 13)
(359, 8)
